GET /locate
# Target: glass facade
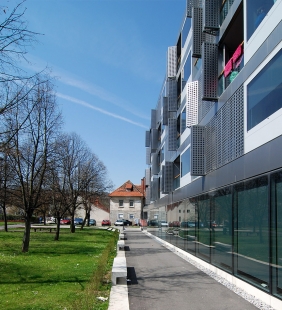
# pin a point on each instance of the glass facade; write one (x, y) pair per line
(264, 92)
(237, 229)
(185, 162)
(256, 11)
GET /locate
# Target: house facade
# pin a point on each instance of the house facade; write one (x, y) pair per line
(126, 202)
(213, 150)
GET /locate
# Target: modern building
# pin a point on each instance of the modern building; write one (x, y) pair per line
(127, 202)
(214, 148)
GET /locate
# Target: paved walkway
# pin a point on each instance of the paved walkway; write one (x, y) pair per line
(159, 279)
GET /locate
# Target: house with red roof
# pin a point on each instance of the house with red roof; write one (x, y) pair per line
(127, 202)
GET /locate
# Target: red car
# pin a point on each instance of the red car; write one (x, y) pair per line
(106, 223)
(65, 221)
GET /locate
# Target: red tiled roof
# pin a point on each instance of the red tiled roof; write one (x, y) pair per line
(128, 189)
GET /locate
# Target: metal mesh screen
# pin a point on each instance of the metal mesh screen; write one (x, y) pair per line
(225, 133)
(155, 164)
(172, 134)
(197, 150)
(167, 174)
(171, 93)
(148, 156)
(171, 61)
(154, 139)
(190, 4)
(165, 111)
(148, 176)
(147, 138)
(148, 195)
(211, 14)
(153, 119)
(210, 63)
(197, 24)
(192, 104)
(155, 189)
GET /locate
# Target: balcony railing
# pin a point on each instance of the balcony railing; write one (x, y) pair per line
(225, 7)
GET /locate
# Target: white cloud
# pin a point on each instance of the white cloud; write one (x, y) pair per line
(87, 105)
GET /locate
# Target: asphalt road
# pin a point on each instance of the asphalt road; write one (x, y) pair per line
(162, 280)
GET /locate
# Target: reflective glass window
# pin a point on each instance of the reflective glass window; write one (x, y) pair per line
(264, 92)
(204, 228)
(256, 11)
(185, 30)
(185, 162)
(222, 231)
(251, 232)
(276, 233)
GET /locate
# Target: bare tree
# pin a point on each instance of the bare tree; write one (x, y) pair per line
(98, 185)
(31, 147)
(15, 38)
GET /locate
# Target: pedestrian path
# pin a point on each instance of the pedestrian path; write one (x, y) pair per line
(157, 278)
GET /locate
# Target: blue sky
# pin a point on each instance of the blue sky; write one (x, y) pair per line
(109, 58)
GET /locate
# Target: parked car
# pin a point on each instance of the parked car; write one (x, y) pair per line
(123, 222)
(163, 224)
(106, 223)
(50, 220)
(153, 223)
(65, 221)
(78, 221)
(92, 222)
(174, 224)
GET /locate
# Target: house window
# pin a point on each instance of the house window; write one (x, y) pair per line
(120, 215)
(131, 203)
(131, 216)
(120, 203)
(264, 92)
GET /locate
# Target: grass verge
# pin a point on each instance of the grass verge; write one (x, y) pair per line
(66, 274)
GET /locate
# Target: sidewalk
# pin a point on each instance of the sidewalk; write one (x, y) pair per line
(159, 279)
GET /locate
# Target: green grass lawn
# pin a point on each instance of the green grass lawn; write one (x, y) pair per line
(65, 274)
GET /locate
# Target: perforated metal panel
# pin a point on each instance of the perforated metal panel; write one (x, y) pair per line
(148, 156)
(154, 140)
(153, 119)
(171, 93)
(172, 134)
(165, 111)
(148, 195)
(192, 4)
(167, 174)
(155, 164)
(147, 138)
(148, 176)
(171, 61)
(225, 133)
(155, 189)
(197, 150)
(211, 13)
(210, 74)
(192, 104)
(197, 24)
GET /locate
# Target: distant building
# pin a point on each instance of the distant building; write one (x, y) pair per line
(126, 202)
(98, 212)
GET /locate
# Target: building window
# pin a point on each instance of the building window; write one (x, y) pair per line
(183, 121)
(131, 203)
(120, 202)
(131, 216)
(256, 12)
(185, 162)
(251, 232)
(264, 92)
(120, 215)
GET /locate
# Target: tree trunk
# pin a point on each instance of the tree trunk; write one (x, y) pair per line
(26, 236)
(57, 235)
(72, 226)
(5, 217)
